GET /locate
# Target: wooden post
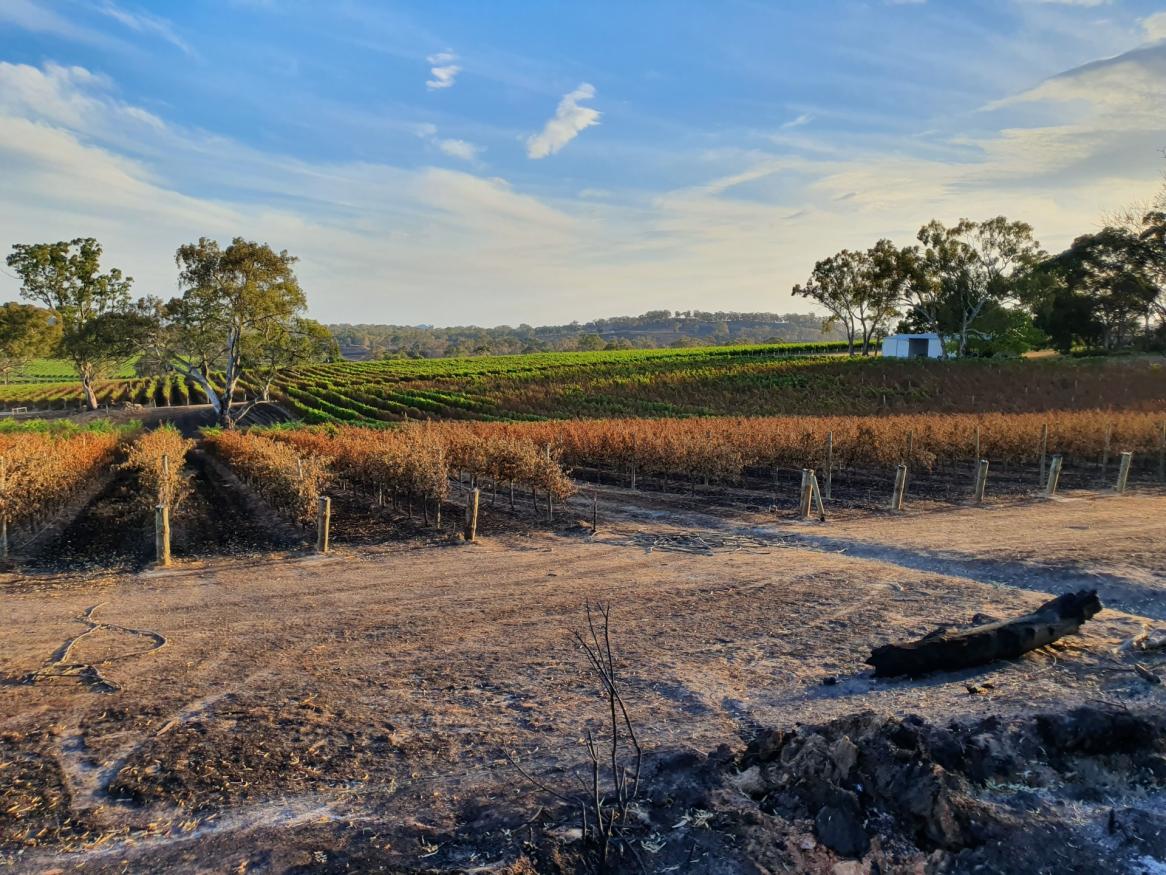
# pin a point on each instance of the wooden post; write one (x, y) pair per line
(633, 475)
(323, 524)
(594, 511)
(300, 467)
(471, 530)
(804, 495)
(162, 534)
(829, 463)
(816, 494)
(1044, 446)
(1054, 476)
(900, 488)
(981, 481)
(1123, 472)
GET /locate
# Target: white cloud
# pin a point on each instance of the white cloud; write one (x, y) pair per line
(1127, 89)
(804, 119)
(1154, 27)
(443, 70)
(570, 118)
(459, 149)
(1073, 2)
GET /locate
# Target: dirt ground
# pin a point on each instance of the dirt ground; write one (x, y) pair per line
(290, 712)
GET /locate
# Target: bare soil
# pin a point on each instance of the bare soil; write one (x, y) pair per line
(354, 712)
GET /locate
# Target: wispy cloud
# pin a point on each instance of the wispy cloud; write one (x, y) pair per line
(569, 119)
(37, 18)
(145, 23)
(443, 70)
(804, 119)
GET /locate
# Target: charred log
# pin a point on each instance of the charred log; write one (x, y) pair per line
(946, 650)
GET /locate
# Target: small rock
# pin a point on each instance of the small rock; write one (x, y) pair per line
(830, 681)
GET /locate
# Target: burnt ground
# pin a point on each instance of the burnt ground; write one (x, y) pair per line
(115, 529)
(287, 712)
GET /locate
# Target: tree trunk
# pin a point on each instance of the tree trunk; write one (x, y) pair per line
(90, 395)
(941, 651)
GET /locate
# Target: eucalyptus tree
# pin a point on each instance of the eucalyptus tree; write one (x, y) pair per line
(237, 301)
(859, 290)
(99, 327)
(963, 270)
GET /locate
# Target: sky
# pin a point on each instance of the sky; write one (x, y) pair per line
(513, 162)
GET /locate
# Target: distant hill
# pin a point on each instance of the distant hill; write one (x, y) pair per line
(652, 330)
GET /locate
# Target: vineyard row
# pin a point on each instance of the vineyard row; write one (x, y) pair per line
(723, 449)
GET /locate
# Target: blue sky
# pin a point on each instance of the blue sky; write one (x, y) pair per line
(513, 162)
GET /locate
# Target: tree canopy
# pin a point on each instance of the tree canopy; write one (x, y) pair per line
(241, 308)
(99, 326)
(26, 332)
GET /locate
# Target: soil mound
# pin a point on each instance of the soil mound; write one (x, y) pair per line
(1077, 791)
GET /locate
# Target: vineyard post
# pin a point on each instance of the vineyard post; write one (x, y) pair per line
(162, 534)
(164, 485)
(594, 511)
(829, 463)
(816, 494)
(804, 495)
(1044, 446)
(981, 481)
(900, 488)
(323, 524)
(1054, 476)
(1123, 472)
(471, 531)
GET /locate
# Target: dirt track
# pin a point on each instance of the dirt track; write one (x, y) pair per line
(307, 710)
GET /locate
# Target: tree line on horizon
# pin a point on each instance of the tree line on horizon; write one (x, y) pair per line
(988, 288)
(652, 330)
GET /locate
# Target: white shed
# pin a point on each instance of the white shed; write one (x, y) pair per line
(911, 346)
